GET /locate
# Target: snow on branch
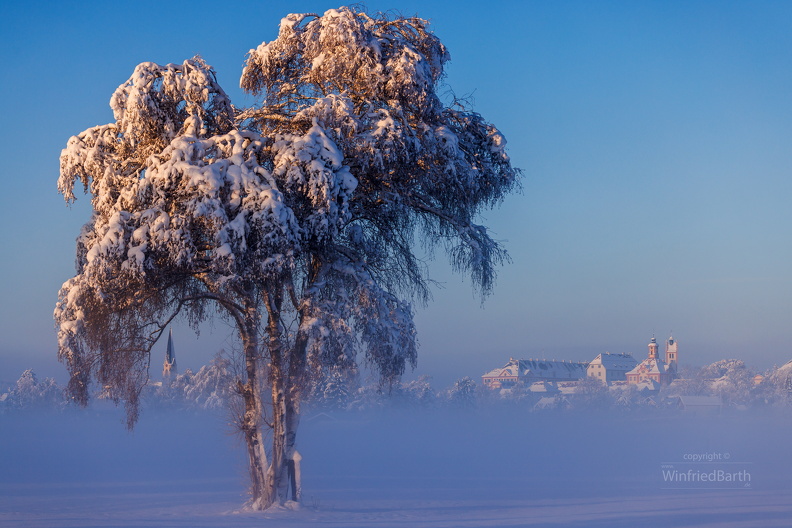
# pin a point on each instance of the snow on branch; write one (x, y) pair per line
(348, 52)
(154, 106)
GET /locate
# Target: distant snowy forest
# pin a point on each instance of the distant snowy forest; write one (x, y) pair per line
(213, 386)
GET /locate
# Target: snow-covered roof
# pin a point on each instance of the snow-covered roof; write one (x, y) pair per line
(652, 366)
(549, 402)
(322, 417)
(543, 386)
(551, 369)
(700, 401)
(615, 361)
(545, 401)
(567, 387)
(510, 370)
(782, 373)
(648, 385)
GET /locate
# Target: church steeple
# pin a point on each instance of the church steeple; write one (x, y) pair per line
(671, 354)
(169, 367)
(653, 348)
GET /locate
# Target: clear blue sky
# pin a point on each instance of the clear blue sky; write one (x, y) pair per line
(656, 140)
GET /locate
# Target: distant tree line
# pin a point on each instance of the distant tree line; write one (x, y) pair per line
(214, 386)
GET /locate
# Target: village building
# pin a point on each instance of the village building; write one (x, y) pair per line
(700, 404)
(502, 378)
(529, 371)
(653, 368)
(543, 387)
(608, 367)
(551, 370)
(552, 403)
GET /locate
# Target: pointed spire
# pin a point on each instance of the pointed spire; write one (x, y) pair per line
(169, 366)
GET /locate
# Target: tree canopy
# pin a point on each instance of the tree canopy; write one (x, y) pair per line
(296, 219)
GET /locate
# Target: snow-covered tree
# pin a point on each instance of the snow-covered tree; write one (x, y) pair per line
(730, 379)
(297, 219)
(30, 392)
(591, 393)
(336, 390)
(691, 381)
(368, 397)
(462, 393)
(213, 385)
(418, 392)
(519, 393)
(775, 387)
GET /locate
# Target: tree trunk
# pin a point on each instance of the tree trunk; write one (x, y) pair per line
(255, 446)
(270, 483)
(277, 474)
(254, 411)
(296, 385)
(276, 478)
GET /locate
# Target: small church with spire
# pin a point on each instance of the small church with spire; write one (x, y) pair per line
(169, 367)
(653, 368)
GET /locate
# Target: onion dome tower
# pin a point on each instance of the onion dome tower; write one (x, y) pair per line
(653, 348)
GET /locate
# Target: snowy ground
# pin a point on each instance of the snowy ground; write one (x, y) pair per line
(401, 469)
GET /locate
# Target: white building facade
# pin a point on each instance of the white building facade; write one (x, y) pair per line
(608, 367)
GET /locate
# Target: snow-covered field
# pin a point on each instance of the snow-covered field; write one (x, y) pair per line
(408, 468)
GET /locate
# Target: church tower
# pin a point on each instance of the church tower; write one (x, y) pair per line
(653, 348)
(169, 367)
(671, 354)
